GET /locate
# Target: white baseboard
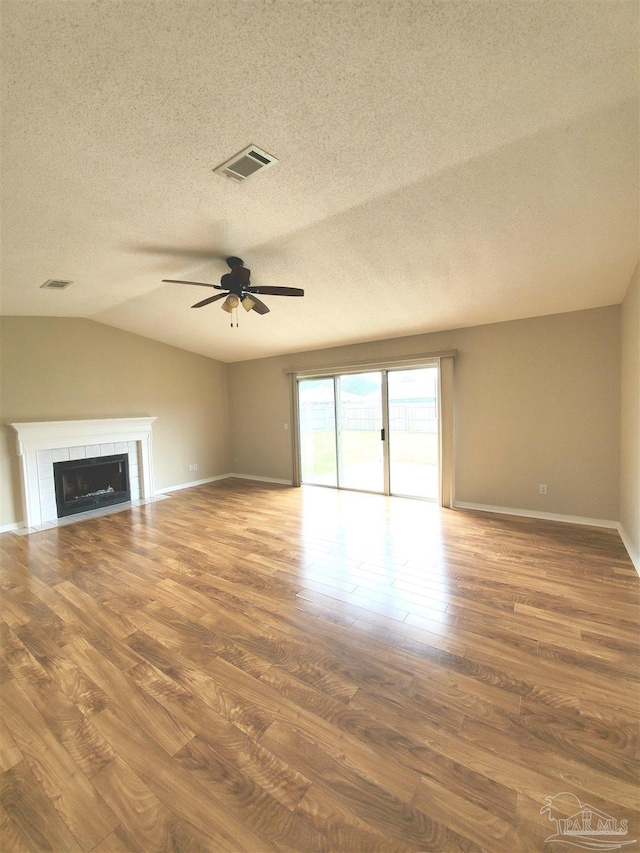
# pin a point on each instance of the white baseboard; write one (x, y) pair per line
(631, 551)
(7, 528)
(261, 479)
(190, 485)
(567, 519)
(548, 516)
(221, 477)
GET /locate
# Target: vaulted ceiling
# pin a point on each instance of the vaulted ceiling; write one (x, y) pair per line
(441, 164)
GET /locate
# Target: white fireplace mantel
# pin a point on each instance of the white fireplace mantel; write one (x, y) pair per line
(58, 435)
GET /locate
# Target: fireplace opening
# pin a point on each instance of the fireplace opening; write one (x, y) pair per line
(84, 484)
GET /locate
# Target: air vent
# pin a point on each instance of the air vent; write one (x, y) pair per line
(56, 284)
(245, 163)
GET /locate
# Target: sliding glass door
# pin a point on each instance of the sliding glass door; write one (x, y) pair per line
(317, 420)
(360, 445)
(413, 432)
(373, 432)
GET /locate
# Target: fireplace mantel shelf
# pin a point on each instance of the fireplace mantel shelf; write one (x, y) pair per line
(38, 436)
(48, 435)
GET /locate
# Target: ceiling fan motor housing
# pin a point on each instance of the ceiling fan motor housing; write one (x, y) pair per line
(237, 280)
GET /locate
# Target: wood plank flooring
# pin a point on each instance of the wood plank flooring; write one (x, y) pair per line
(249, 667)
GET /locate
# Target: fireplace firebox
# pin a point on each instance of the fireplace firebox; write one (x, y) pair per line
(84, 484)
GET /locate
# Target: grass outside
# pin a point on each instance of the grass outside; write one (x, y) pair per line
(319, 449)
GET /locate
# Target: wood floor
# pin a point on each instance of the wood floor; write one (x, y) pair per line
(250, 667)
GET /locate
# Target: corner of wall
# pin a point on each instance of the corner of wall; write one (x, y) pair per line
(633, 553)
(629, 513)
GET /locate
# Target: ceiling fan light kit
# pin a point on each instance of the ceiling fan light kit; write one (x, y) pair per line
(238, 289)
(230, 303)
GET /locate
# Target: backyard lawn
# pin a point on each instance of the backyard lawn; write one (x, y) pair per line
(319, 449)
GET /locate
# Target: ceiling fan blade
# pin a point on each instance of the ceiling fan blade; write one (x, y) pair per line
(277, 291)
(200, 283)
(259, 307)
(209, 300)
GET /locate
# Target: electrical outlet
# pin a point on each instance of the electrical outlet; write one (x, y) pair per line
(543, 488)
(195, 467)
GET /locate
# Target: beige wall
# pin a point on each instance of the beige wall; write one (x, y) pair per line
(630, 432)
(536, 401)
(63, 368)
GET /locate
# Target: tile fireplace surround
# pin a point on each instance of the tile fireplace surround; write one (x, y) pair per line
(40, 444)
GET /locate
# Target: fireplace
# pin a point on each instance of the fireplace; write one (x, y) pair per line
(42, 444)
(83, 484)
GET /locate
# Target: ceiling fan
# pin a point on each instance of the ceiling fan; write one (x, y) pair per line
(238, 290)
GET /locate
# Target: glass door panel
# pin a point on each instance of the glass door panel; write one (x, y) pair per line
(413, 432)
(317, 416)
(361, 449)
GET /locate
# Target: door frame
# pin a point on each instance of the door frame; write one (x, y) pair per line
(444, 360)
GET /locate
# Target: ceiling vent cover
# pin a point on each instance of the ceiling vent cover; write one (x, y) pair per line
(245, 163)
(56, 284)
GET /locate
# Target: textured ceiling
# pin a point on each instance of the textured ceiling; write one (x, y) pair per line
(442, 164)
